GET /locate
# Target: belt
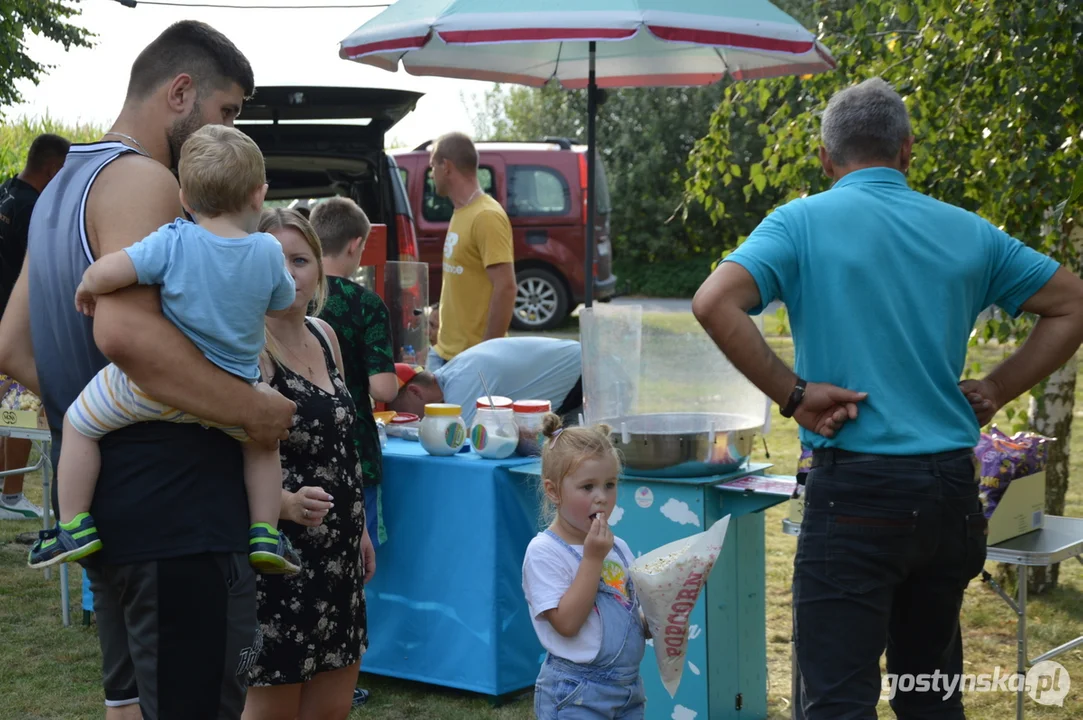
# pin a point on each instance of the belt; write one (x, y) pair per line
(835, 456)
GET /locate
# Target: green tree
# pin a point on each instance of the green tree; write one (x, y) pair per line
(993, 89)
(661, 246)
(41, 17)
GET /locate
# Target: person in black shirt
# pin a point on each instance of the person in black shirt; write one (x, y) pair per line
(17, 198)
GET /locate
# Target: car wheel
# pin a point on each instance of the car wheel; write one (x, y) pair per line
(541, 300)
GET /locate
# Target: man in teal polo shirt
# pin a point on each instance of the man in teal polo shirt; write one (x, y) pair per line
(883, 286)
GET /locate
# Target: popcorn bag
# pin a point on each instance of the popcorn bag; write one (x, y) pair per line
(668, 581)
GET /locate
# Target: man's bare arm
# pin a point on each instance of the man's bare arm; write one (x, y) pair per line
(133, 197)
(721, 305)
(1054, 339)
(384, 387)
(16, 347)
(502, 302)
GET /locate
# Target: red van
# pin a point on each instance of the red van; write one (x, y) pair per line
(543, 188)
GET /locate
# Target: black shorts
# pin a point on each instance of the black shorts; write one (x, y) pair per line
(178, 636)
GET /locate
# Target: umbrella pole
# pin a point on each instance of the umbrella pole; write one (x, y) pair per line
(592, 112)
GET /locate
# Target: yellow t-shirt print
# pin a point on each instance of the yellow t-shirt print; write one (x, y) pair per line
(479, 236)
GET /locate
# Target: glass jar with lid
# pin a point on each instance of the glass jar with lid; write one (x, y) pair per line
(494, 434)
(499, 401)
(442, 431)
(529, 415)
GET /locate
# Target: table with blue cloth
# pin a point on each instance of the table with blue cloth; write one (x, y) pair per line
(446, 605)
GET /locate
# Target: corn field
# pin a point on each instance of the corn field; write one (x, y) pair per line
(16, 136)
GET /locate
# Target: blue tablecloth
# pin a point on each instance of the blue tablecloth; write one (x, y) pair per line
(446, 606)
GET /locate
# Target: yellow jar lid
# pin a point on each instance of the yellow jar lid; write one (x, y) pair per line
(443, 410)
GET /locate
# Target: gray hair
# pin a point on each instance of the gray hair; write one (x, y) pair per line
(865, 123)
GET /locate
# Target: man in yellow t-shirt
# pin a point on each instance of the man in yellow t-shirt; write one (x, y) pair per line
(477, 295)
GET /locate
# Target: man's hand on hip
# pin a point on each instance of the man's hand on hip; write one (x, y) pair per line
(270, 418)
(826, 408)
(984, 399)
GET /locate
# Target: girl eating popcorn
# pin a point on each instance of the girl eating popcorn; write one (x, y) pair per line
(578, 585)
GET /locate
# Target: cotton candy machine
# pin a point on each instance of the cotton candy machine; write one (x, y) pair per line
(677, 407)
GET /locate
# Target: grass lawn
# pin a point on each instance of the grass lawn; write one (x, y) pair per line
(47, 671)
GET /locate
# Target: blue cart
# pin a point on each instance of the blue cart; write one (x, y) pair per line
(725, 675)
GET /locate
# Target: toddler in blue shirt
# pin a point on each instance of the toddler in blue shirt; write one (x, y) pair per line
(218, 278)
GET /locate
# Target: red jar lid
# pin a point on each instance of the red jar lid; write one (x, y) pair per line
(532, 406)
(403, 418)
(499, 401)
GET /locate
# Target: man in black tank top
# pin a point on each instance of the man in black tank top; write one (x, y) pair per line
(174, 594)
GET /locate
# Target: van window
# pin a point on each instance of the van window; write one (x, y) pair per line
(537, 191)
(438, 209)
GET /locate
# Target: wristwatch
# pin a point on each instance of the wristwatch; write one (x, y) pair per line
(796, 397)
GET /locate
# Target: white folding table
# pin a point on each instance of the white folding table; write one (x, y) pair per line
(42, 441)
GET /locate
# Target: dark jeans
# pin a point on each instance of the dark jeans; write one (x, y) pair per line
(887, 547)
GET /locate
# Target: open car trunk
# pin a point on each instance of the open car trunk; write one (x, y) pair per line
(320, 142)
(323, 141)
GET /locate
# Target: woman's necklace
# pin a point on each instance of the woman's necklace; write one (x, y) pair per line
(304, 344)
(138, 144)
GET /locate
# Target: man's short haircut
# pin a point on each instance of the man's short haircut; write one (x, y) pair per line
(459, 149)
(424, 378)
(865, 123)
(219, 169)
(46, 149)
(337, 221)
(194, 48)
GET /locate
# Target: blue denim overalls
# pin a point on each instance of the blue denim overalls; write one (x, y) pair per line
(610, 686)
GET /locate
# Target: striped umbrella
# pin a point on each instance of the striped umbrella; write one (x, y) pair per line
(589, 44)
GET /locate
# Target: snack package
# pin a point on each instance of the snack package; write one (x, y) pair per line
(1002, 459)
(668, 581)
(17, 397)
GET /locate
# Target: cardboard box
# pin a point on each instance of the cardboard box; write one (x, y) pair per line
(1021, 509)
(27, 419)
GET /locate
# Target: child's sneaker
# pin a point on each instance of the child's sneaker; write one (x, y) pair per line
(67, 542)
(271, 552)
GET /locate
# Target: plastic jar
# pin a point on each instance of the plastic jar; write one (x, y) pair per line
(442, 431)
(528, 416)
(498, 401)
(495, 434)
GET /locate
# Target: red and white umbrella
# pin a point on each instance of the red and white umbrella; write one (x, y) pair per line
(589, 44)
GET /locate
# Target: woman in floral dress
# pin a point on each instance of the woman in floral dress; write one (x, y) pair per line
(313, 623)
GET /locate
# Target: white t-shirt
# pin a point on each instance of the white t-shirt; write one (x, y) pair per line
(548, 571)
